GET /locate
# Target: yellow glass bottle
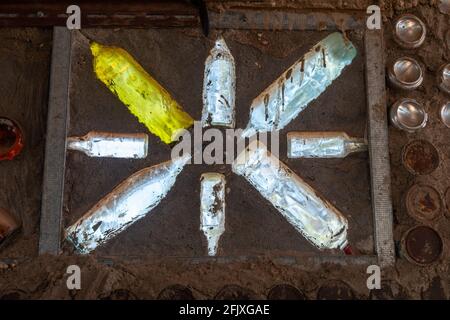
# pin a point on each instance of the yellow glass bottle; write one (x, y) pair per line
(140, 92)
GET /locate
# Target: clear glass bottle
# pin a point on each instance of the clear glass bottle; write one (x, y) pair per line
(130, 201)
(219, 86)
(317, 219)
(298, 86)
(323, 144)
(212, 209)
(110, 145)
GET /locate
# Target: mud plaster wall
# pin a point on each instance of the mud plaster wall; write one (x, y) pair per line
(24, 75)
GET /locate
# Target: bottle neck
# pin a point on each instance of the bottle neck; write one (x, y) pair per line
(355, 145)
(78, 144)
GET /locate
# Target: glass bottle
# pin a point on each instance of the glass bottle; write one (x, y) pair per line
(323, 144)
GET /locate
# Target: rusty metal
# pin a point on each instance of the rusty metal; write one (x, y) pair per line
(271, 5)
(100, 13)
(251, 19)
(420, 157)
(422, 245)
(423, 202)
(288, 15)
